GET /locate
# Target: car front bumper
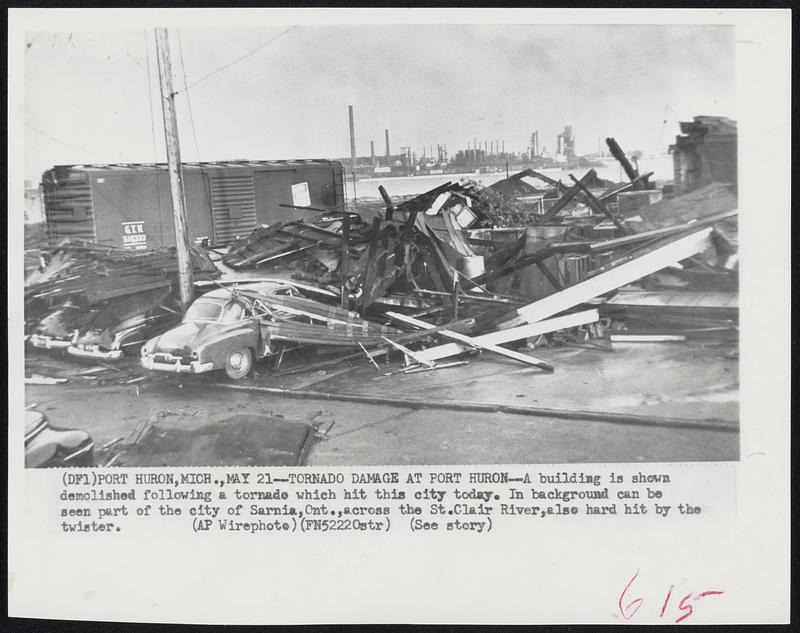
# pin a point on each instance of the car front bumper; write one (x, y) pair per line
(195, 367)
(48, 342)
(114, 354)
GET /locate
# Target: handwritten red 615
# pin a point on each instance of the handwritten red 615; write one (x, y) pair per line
(629, 607)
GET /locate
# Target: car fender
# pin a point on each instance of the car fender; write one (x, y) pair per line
(121, 337)
(216, 349)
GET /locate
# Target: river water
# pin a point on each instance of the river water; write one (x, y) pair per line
(661, 166)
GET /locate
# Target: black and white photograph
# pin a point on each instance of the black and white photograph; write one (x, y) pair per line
(340, 253)
(360, 245)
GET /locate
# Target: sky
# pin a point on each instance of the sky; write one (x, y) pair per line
(92, 96)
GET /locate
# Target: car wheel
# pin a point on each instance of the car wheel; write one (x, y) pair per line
(238, 363)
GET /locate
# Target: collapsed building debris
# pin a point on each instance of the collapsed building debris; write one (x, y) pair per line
(441, 255)
(460, 268)
(99, 300)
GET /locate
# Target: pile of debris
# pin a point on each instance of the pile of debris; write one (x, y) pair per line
(101, 301)
(86, 273)
(439, 265)
(464, 267)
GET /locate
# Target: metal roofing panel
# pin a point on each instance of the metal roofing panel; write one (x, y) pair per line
(269, 164)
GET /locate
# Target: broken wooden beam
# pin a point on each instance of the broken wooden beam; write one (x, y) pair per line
(606, 245)
(513, 334)
(416, 370)
(409, 353)
(371, 360)
(618, 189)
(462, 324)
(368, 278)
(544, 250)
(551, 278)
(564, 200)
(344, 265)
(630, 171)
(646, 338)
(557, 184)
(599, 207)
(474, 342)
(626, 273)
(388, 201)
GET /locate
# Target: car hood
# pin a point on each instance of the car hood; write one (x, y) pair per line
(186, 337)
(104, 337)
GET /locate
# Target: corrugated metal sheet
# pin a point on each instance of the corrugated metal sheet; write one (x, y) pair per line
(68, 207)
(233, 207)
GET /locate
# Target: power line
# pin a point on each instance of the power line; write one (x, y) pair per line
(55, 140)
(236, 61)
(188, 100)
(203, 180)
(663, 126)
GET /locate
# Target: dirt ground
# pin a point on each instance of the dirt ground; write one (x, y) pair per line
(660, 402)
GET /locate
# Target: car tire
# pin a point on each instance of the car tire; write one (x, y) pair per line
(238, 363)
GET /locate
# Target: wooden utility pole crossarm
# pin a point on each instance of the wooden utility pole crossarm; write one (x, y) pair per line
(174, 165)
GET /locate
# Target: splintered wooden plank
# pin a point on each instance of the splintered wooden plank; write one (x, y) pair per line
(412, 355)
(336, 336)
(612, 279)
(313, 309)
(513, 334)
(599, 207)
(368, 276)
(676, 299)
(564, 200)
(474, 342)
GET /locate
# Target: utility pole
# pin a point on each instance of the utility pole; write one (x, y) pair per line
(174, 165)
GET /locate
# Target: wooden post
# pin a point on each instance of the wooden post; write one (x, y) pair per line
(388, 200)
(344, 266)
(630, 171)
(174, 165)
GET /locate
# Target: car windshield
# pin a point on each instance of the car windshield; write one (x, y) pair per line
(203, 311)
(232, 313)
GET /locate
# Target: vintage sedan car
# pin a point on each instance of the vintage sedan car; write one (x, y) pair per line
(57, 330)
(108, 330)
(219, 331)
(51, 447)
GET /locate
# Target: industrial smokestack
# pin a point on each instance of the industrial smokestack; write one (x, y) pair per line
(388, 153)
(352, 138)
(372, 150)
